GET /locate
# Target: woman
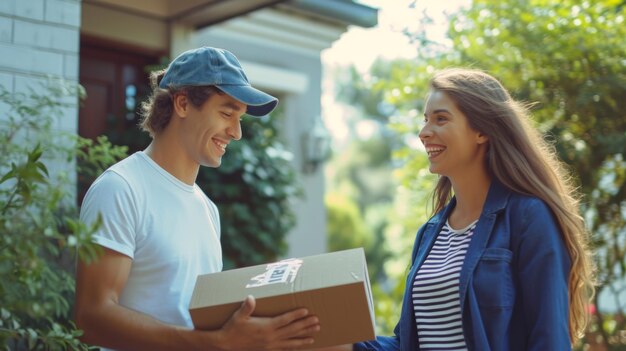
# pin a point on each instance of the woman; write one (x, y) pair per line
(503, 264)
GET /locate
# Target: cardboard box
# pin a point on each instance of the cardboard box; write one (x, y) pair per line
(334, 287)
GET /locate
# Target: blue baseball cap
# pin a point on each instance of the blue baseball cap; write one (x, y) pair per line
(220, 68)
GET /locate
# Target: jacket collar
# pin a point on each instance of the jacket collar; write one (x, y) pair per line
(497, 199)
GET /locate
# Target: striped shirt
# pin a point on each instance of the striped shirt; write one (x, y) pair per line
(436, 301)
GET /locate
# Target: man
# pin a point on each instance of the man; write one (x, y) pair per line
(159, 230)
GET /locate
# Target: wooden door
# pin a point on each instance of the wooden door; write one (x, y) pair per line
(115, 78)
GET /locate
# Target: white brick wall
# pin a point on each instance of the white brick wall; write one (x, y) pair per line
(6, 29)
(29, 61)
(70, 66)
(33, 9)
(6, 82)
(26, 84)
(7, 7)
(39, 37)
(45, 36)
(39, 40)
(63, 12)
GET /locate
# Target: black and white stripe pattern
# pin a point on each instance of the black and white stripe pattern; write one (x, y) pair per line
(436, 303)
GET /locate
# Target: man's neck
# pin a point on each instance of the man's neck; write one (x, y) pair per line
(171, 158)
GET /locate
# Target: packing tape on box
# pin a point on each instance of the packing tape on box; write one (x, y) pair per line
(284, 271)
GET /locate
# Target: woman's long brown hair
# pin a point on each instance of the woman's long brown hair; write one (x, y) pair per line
(524, 162)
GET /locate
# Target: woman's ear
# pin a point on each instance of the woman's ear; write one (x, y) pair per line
(481, 138)
(181, 105)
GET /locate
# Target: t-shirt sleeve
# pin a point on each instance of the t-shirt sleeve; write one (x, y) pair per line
(110, 197)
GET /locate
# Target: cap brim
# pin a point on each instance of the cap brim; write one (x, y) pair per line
(259, 103)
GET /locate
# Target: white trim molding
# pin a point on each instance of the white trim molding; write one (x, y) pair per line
(277, 29)
(275, 79)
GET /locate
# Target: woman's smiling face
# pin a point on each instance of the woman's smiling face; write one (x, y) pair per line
(452, 145)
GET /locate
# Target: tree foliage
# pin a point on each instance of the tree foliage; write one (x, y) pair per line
(39, 219)
(549, 52)
(568, 58)
(346, 227)
(360, 185)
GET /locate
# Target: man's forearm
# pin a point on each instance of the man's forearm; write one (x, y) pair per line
(114, 326)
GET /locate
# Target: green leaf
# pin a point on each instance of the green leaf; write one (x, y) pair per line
(36, 287)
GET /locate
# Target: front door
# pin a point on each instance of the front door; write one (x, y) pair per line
(115, 78)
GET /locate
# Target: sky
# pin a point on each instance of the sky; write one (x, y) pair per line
(361, 46)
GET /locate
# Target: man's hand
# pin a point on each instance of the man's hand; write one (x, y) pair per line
(109, 324)
(288, 331)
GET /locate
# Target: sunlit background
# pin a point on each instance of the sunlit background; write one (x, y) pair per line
(338, 165)
(377, 181)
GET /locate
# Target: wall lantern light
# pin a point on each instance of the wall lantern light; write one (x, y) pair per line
(315, 146)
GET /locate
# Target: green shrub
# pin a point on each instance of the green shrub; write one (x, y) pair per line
(39, 224)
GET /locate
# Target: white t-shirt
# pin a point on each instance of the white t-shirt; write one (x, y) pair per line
(169, 229)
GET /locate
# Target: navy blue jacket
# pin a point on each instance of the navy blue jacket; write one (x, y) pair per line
(513, 284)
